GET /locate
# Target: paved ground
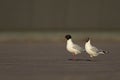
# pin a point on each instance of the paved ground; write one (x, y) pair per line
(50, 61)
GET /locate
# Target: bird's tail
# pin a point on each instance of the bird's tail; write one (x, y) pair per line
(103, 52)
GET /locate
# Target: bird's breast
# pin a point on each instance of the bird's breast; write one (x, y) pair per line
(70, 48)
(88, 48)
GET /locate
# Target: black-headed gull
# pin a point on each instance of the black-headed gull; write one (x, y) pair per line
(73, 48)
(91, 50)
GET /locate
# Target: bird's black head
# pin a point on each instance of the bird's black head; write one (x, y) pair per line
(68, 37)
(87, 39)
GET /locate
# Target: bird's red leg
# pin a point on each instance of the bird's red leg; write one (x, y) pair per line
(73, 57)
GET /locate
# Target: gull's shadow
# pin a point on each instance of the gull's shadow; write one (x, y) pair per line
(80, 60)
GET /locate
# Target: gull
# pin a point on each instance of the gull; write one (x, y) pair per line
(92, 50)
(73, 48)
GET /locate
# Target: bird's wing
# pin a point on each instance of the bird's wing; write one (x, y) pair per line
(94, 49)
(99, 51)
(75, 46)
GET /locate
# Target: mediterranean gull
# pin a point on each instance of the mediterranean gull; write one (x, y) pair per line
(73, 48)
(93, 51)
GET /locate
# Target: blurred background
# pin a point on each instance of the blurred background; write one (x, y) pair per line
(51, 20)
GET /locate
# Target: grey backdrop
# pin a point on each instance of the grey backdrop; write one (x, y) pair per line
(59, 14)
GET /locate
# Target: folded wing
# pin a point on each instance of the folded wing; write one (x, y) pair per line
(77, 47)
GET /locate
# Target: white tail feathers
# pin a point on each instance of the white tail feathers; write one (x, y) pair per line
(103, 52)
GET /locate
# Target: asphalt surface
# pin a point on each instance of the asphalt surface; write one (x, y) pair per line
(51, 61)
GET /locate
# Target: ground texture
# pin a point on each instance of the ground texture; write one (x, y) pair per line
(51, 61)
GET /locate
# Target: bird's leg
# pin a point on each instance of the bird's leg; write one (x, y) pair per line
(93, 59)
(73, 57)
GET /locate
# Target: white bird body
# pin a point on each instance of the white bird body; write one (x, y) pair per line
(73, 48)
(91, 50)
